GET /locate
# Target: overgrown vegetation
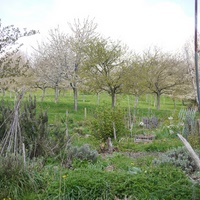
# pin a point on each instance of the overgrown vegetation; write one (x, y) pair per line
(60, 166)
(179, 157)
(106, 121)
(72, 145)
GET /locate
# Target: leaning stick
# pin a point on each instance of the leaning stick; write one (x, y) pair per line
(191, 151)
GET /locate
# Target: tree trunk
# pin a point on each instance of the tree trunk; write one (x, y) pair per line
(3, 92)
(174, 100)
(98, 98)
(113, 99)
(75, 98)
(158, 100)
(43, 93)
(136, 101)
(56, 93)
(75, 93)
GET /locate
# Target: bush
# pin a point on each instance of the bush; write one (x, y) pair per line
(105, 120)
(83, 153)
(34, 129)
(179, 157)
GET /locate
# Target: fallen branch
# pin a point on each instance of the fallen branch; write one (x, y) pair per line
(191, 151)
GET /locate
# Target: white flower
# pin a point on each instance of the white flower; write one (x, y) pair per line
(170, 118)
(141, 124)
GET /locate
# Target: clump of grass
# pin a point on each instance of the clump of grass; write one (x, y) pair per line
(17, 179)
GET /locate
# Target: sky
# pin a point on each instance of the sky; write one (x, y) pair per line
(140, 24)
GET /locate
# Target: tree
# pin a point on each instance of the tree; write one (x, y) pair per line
(52, 61)
(82, 32)
(189, 57)
(162, 72)
(103, 67)
(12, 64)
(134, 79)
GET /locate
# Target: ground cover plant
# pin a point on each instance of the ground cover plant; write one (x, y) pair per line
(66, 151)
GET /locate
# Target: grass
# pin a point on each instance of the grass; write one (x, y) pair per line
(127, 172)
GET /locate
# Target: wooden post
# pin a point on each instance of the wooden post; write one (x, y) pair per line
(85, 113)
(24, 154)
(83, 97)
(66, 131)
(191, 151)
(110, 146)
(114, 131)
(98, 98)
(196, 53)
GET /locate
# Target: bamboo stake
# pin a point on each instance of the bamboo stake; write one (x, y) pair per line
(114, 131)
(85, 113)
(24, 154)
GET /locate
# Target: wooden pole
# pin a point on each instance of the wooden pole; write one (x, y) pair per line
(196, 54)
(85, 113)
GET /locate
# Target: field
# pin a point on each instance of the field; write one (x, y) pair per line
(68, 156)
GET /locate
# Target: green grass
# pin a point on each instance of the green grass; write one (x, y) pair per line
(132, 176)
(145, 105)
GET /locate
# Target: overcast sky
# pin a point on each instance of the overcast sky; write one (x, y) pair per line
(138, 23)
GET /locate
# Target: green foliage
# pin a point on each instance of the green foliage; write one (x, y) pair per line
(158, 145)
(83, 153)
(194, 141)
(17, 179)
(34, 128)
(179, 157)
(187, 116)
(160, 182)
(133, 177)
(106, 118)
(73, 156)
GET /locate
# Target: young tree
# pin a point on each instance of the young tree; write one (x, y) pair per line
(103, 68)
(82, 32)
(134, 78)
(52, 61)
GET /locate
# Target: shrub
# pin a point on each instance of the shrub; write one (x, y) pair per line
(106, 119)
(179, 157)
(83, 153)
(34, 129)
